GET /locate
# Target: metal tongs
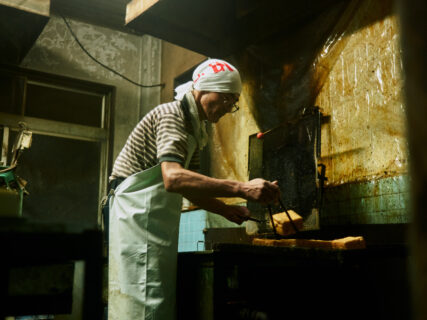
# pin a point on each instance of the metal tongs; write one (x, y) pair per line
(287, 213)
(254, 219)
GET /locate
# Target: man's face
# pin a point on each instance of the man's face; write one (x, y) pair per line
(215, 105)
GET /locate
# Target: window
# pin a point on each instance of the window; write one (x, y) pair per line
(67, 164)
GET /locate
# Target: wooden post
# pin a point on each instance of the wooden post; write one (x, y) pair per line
(413, 14)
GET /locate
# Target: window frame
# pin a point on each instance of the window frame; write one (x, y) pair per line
(103, 135)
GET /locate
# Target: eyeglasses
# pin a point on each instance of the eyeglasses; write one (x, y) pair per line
(234, 106)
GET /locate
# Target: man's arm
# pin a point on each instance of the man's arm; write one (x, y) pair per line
(186, 182)
(236, 214)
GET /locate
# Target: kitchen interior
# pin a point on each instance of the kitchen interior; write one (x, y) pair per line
(333, 107)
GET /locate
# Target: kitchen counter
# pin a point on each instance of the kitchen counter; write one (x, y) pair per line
(241, 281)
(26, 245)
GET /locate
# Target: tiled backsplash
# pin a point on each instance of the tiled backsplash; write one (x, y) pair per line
(381, 201)
(191, 236)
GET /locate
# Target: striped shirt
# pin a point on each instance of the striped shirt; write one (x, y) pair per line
(160, 136)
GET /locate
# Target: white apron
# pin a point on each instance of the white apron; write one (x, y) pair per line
(143, 245)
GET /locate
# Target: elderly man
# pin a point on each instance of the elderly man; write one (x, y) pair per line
(150, 176)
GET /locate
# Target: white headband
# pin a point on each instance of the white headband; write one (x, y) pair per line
(213, 75)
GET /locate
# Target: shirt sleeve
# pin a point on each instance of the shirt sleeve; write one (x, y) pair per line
(195, 161)
(171, 138)
(171, 159)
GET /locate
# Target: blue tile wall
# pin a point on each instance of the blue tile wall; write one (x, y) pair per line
(191, 236)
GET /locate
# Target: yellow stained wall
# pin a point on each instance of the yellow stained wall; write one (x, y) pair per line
(229, 140)
(354, 77)
(365, 137)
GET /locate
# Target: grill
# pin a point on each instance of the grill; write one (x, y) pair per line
(288, 154)
(232, 279)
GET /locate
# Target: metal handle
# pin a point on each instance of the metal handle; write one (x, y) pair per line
(272, 221)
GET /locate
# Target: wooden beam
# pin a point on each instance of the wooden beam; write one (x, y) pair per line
(136, 7)
(20, 26)
(41, 7)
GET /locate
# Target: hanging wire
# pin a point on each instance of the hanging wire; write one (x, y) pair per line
(103, 65)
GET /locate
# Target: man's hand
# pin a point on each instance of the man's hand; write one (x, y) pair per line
(191, 184)
(261, 190)
(236, 214)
